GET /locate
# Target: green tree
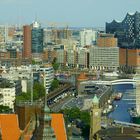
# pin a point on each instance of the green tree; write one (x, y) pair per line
(38, 90)
(54, 84)
(5, 109)
(33, 62)
(23, 96)
(85, 117)
(74, 114)
(55, 64)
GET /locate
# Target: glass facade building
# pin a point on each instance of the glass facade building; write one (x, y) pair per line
(37, 40)
(127, 31)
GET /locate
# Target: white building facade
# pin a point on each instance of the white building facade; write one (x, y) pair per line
(47, 72)
(82, 58)
(7, 97)
(87, 37)
(104, 57)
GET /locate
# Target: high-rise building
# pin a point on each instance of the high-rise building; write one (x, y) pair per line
(71, 58)
(47, 73)
(37, 38)
(61, 57)
(87, 37)
(82, 58)
(27, 41)
(127, 31)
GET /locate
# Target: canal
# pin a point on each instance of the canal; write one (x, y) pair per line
(127, 101)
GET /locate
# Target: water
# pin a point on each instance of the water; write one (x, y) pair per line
(121, 112)
(128, 100)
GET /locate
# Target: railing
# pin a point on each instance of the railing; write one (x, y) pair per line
(127, 123)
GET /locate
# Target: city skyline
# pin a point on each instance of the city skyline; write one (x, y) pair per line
(86, 13)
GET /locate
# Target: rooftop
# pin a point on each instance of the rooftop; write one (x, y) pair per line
(82, 77)
(95, 99)
(9, 127)
(58, 125)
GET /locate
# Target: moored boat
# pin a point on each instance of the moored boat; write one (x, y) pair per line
(118, 96)
(135, 118)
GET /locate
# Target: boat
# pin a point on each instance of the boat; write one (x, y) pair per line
(118, 96)
(135, 118)
(109, 109)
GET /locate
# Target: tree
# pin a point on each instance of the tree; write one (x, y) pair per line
(85, 117)
(38, 92)
(54, 84)
(74, 114)
(5, 109)
(23, 96)
(55, 64)
(33, 62)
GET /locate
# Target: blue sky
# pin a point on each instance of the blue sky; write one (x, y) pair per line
(83, 13)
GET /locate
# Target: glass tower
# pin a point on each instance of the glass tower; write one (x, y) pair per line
(37, 38)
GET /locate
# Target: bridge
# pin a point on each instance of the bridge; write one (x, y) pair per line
(115, 82)
(123, 81)
(127, 124)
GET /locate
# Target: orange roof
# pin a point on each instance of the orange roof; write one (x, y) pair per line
(59, 126)
(82, 77)
(9, 127)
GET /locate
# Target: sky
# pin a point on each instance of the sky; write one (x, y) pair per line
(76, 13)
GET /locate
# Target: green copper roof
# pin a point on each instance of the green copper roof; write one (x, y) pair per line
(47, 118)
(95, 99)
(46, 109)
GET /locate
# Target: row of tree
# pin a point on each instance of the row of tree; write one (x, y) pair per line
(74, 114)
(38, 92)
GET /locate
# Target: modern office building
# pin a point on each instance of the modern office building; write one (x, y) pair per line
(127, 31)
(27, 41)
(71, 58)
(82, 58)
(37, 38)
(87, 37)
(104, 57)
(47, 74)
(61, 57)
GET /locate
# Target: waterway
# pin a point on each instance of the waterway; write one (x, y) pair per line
(127, 101)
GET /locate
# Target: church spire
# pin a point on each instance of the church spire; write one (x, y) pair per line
(95, 101)
(44, 131)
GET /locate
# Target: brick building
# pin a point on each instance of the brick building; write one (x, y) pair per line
(129, 57)
(107, 40)
(27, 41)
